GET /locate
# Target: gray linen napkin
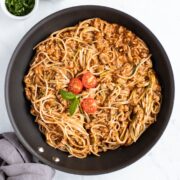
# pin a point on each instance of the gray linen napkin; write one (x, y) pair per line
(17, 164)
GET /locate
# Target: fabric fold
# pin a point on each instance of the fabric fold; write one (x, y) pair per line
(17, 164)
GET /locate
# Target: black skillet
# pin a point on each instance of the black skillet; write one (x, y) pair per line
(18, 107)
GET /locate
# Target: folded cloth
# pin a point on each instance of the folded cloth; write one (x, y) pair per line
(17, 164)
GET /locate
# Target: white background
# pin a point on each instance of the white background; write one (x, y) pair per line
(162, 17)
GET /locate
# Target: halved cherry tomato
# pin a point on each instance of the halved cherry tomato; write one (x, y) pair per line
(89, 105)
(75, 86)
(89, 80)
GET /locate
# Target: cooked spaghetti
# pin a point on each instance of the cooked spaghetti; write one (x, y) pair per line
(126, 94)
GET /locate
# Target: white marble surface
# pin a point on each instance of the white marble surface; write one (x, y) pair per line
(163, 18)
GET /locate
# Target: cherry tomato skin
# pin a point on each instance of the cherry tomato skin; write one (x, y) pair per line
(89, 80)
(89, 105)
(75, 86)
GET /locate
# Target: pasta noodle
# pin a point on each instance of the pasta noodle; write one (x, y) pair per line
(128, 93)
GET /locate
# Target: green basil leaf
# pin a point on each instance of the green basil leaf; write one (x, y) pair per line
(67, 95)
(73, 106)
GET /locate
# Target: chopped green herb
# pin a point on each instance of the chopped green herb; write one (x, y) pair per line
(67, 95)
(20, 7)
(73, 106)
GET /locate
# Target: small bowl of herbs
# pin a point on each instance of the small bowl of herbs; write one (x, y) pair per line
(19, 9)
